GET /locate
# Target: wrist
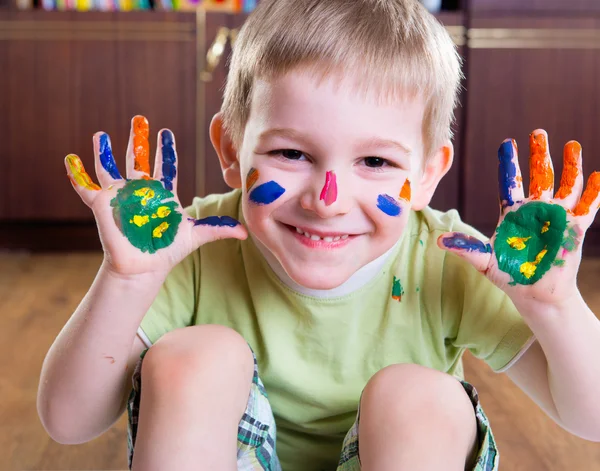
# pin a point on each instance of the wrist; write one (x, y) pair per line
(144, 281)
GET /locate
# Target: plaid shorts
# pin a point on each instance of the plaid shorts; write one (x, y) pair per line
(257, 431)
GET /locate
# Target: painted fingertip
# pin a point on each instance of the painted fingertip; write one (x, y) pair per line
(571, 165)
(141, 144)
(540, 165)
(106, 157)
(217, 221)
(589, 196)
(169, 167)
(464, 243)
(78, 174)
(507, 171)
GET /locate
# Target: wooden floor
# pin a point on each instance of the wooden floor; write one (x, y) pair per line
(39, 292)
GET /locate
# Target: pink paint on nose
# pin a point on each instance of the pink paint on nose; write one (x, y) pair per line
(329, 192)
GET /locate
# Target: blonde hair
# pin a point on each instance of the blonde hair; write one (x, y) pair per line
(394, 47)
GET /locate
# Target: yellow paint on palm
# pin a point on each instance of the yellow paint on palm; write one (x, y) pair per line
(160, 230)
(517, 242)
(140, 220)
(528, 268)
(546, 227)
(146, 194)
(78, 174)
(162, 212)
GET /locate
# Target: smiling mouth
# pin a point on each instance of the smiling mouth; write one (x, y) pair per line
(321, 236)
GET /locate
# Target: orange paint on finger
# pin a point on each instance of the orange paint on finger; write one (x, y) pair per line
(589, 195)
(78, 174)
(570, 169)
(405, 192)
(541, 174)
(141, 146)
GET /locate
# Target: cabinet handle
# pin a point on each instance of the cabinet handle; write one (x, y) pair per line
(215, 53)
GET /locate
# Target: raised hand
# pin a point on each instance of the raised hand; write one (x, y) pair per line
(536, 250)
(140, 220)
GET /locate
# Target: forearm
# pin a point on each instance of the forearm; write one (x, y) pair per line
(84, 375)
(570, 338)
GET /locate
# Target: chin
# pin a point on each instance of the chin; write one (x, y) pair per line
(318, 279)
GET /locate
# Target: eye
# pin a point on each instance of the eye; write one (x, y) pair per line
(288, 154)
(375, 162)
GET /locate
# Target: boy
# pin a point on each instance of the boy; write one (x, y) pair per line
(334, 134)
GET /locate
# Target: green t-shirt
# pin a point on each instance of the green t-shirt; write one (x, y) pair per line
(315, 355)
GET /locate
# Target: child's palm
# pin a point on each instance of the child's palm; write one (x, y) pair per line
(141, 223)
(536, 249)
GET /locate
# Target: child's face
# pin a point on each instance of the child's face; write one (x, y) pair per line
(298, 131)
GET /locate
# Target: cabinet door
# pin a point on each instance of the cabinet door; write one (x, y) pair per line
(526, 74)
(72, 74)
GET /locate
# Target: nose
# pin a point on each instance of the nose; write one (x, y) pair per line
(326, 196)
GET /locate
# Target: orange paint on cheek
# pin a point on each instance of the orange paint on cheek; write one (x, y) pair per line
(570, 169)
(589, 195)
(141, 146)
(405, 192)
(78, 174)
(541, 174)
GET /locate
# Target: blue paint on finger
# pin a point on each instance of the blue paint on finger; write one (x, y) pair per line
(388, 205)
(507, 173)
(217, 221)
(169, 169)
(107, 159)
(266, 193)
(464, 242)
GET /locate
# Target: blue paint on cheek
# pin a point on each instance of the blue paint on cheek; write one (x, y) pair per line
(266, 193)
(169, 169)
(466, 242)
(217, 221)
(107, 159)
(388, 205)
(507, 173)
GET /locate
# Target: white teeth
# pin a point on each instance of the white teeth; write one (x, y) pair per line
(317, 238)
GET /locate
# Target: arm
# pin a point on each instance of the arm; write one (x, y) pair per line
(144, 234)
(561, 371)
(534, 257)
(86, 375)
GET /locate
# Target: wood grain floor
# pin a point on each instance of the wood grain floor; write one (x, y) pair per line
(39, 292)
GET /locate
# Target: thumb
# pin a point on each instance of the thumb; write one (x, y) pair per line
(474, 251)
(216, 228)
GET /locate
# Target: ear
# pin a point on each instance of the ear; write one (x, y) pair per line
(227, 153)
(436, 167)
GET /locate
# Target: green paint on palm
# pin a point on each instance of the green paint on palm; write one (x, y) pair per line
(528, 241)
(144, 215)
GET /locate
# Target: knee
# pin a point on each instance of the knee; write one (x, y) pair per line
(406, 397)
(183, 357)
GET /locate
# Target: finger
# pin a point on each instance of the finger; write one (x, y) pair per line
(165, 167)
(106, 167)
(474, 251)
(589, 202)
(541, 173)
(216, 228)
(510, 181)
(571, 181)
(138, 149)
(80, 180)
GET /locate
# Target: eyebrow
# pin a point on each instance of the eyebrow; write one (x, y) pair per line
(367, 144)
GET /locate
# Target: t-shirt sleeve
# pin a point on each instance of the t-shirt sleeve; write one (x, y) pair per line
(175, 304)
(478, 315)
